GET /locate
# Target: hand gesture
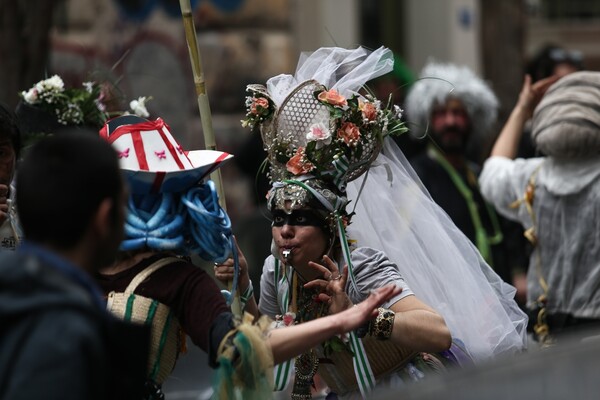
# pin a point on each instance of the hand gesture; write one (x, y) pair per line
(332, 285)
(531, 94)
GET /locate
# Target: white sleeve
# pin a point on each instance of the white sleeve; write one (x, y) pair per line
(502, 181)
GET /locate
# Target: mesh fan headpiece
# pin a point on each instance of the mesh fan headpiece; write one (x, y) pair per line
(314, 132)
(287, 132)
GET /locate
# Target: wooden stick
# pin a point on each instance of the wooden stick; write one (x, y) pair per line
(203, 104)
(205, 115)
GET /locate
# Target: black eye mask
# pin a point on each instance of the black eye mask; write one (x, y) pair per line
(297, 218)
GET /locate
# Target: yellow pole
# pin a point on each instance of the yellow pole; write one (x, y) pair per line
(203, 104)
(204, 107)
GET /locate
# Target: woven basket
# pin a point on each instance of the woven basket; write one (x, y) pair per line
(165, 331)
(385, 357)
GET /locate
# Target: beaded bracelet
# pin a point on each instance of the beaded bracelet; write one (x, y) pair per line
(247, 295)
(382, 327)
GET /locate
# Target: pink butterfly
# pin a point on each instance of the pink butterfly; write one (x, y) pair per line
(124, 153)
(160, 154)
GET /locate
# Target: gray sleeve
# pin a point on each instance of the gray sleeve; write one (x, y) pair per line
(372, 270)
(268, 304)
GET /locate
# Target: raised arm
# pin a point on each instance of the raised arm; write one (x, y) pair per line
(291, 341)
(508, 141)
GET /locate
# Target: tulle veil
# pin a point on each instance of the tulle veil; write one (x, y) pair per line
(395, 214)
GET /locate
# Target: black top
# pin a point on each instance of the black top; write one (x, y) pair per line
(505, 255)
(57, 342)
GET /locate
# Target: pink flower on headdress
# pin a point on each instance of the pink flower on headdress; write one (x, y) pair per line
(349, 133)
(259, 106)
(332, 97)
(298, 164)
(369, 111)
(160, 154)
(319, 133)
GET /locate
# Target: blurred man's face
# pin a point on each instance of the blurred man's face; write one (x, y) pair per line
(450, 126)
(108, 246)
(7, 161)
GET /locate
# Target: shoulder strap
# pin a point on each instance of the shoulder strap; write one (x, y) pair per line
(139, 278)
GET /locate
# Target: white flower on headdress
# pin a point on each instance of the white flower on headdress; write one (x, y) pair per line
(46, 90)
(52, 84)
(30, 96)
(89, 86)
(320, 133)
(139, 107)
(398, 112)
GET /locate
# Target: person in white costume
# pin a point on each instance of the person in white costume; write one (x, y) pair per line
(554, 197)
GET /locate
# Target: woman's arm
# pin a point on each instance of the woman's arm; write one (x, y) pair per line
(291, 341)
(418, 326)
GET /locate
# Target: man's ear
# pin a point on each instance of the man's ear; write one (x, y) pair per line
(102, 220)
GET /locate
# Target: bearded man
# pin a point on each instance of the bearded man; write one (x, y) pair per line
(456, 109)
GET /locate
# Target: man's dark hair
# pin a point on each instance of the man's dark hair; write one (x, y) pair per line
(60, 184)
(548, 57)
(9, 128)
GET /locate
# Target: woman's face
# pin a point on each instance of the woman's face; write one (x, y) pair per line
(301, 234)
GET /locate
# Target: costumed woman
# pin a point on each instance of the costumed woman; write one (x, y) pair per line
(172, 213)
(321, 134)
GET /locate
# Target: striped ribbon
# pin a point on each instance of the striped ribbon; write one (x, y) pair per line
(282, 371)
(362, 367)
(339, 172)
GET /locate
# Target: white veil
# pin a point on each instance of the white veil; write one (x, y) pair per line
(395, 214)
(345, 70)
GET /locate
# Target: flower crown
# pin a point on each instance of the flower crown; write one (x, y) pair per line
(76, 106)
(320, 132)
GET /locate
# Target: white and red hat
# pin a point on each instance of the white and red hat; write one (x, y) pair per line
(153, 160)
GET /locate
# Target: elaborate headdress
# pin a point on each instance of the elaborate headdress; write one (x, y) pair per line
(316, 123)
(441, 81)
(319, 131)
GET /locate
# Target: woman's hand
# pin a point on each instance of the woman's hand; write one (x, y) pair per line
(332, 285)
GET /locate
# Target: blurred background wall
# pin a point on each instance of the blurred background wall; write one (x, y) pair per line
(140, 45)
